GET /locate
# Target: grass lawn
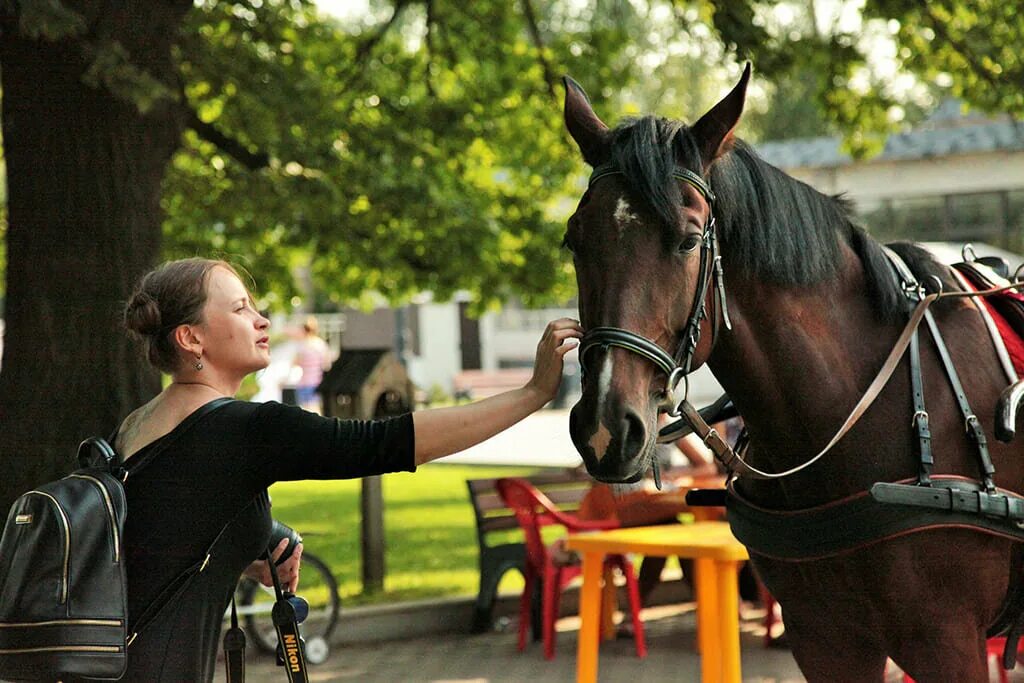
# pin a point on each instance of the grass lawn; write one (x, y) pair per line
(429, 527)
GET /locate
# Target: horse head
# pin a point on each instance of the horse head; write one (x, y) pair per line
(642, 240)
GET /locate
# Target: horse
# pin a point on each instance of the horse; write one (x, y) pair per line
(794, 309)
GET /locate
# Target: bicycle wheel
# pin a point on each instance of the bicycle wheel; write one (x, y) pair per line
(317, 586)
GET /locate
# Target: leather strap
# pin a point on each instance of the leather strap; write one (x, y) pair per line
(234, 649)
(920, 419)
(971, 423)
(679, 173)
(881, 379)
(719, 411)
(624, 339)
(842, 526)
(953, 496)
(180, 582)
(993, 331)
(134, 464)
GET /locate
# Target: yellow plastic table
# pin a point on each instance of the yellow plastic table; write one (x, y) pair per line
(716, 554)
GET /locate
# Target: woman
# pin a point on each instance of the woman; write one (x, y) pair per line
(313, 356)
(199, 324)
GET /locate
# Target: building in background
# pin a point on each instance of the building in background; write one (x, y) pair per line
(954, 178)
(447, 349)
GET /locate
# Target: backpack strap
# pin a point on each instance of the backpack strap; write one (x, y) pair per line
(96, 452)
(137, 463)
(179, 583)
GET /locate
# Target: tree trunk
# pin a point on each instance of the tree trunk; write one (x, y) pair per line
(84, 173)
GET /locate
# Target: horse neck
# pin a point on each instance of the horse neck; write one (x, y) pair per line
(796, 362)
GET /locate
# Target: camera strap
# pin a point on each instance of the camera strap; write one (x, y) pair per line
(287, 626)
(234, 649)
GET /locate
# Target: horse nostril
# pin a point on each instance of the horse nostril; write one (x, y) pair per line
(634, 433)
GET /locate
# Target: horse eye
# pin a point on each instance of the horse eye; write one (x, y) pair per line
(689, 243)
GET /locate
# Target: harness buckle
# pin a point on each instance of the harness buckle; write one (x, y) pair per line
(677, 376)
(971, 426)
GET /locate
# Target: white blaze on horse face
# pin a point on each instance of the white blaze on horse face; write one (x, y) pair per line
(602, 437)
(623, 216)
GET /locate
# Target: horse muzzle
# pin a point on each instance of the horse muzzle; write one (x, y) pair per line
(616, 453)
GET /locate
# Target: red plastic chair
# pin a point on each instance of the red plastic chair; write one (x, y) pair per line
(555, 570)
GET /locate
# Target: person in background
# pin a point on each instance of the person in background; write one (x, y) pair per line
(313, 357)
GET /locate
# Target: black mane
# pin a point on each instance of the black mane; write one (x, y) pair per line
(771, 225)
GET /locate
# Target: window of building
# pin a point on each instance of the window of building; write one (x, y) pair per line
(1015, 221)
(876, 219)
(993, 217)
(977, 217)
(919, 218)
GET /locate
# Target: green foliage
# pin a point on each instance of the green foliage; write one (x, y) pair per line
(421, 147)
(433, 161)
(853, 64)
(975, 49)
(49, 19)
(111, 67)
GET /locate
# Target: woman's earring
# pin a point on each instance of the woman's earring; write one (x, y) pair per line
(198, 365)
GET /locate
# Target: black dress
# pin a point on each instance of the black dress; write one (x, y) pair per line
(213, 469)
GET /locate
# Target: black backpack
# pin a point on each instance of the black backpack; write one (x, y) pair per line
(63, 602)
(63, 588)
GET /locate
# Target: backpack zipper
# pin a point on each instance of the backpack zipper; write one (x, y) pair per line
(62, 648)
(110, 511)
(62, 622)
(67, 544)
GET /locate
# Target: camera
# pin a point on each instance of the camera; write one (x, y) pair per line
(277, 532)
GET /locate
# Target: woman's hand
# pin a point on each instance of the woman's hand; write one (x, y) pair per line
(560, 337)
(287, 572)
(443, 431)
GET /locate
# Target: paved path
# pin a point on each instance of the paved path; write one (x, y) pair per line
(493, 658)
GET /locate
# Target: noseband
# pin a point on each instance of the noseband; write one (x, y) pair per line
(676, 367)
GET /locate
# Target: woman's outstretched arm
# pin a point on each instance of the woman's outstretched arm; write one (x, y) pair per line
(443, 431)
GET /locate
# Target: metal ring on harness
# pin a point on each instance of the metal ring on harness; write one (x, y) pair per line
(671, 386)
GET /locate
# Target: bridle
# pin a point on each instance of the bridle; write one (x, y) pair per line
(676, 367)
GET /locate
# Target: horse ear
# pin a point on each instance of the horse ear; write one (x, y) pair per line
(586, 129)
(714, 130)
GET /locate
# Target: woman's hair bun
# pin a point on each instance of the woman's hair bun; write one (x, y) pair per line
(142, 314)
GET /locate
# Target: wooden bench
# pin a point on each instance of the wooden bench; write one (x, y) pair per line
(565, 488)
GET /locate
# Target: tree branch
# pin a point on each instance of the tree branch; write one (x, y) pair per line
(253, 161)
(366, 47)
(428, 41)
(538, 42)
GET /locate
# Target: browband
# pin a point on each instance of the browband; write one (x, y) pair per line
(684, 174)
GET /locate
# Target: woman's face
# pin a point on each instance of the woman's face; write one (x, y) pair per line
(234, 333)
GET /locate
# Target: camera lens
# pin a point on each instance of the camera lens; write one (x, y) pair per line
(279, 531)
